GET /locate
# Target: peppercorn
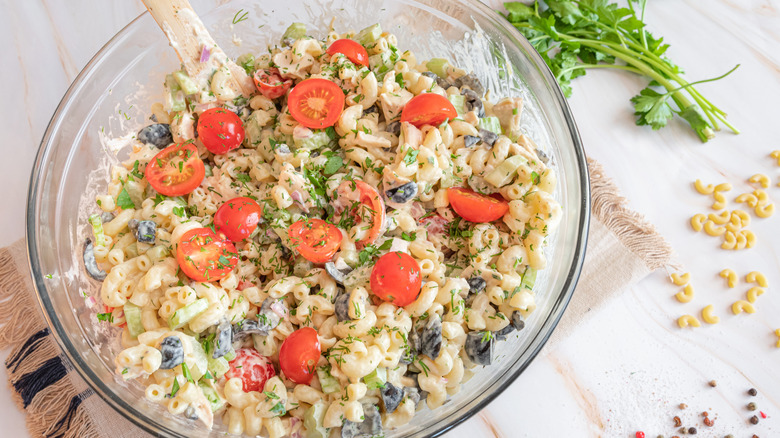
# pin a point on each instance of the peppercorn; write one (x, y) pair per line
(708, 422)
(677, 422)
(755, 436)
(692, 431)
(713, 383)
(751, 406)
(705, 414)
(683, 406)
(754, 419)
(683, 431)
(660, 436)
(729, 436)
(752, 392)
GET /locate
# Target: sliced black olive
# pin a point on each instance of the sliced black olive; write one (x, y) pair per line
(429, 74)
(479, 347)
(488, 137)
(402, 194)
(476, 285)
(191, 413)
(430, 340)
(412, 394)
(517, 321)
(146, 232)
(391, 397)
(371, 426)
(470, 140)
(106, 217)
(370, 110)
(443, 83)
(504, 332)
(336, 274)
(471, 81)
(542, 156)
(172, 352)
(90, 264)
(133, 224)
(266, 315)
(223, 341)
(393, 128)
(342, 307)
(158, 135)
(473, 102)
(266, 321)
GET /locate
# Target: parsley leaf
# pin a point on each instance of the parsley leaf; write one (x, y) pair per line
(124, 201)
(411, 156)
(333, 165)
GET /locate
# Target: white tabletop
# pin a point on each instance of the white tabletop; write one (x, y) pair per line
(630, 367)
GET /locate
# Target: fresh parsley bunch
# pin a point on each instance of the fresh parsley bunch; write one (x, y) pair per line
(575, 35)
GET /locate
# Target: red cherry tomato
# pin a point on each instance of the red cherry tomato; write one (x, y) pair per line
(351, 49)
(370, 210)
(316, 103)
(238, 218)
(176, 170)
(252, 368)
(315, 239)
(475, 207)
(220, 130)
(428, 109)
(396, 278)
(204, 256)
(299, 355)
(271, 84)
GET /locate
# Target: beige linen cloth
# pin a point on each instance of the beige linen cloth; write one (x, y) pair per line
(622, 249)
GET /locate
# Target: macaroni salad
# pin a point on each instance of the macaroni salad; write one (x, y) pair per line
(326, 256)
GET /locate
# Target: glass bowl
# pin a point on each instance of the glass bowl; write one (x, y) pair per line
(113, 94)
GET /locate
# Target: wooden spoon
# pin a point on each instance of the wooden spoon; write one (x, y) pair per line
(193, 43)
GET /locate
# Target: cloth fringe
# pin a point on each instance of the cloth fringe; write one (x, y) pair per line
(632, 229)
(36, 372)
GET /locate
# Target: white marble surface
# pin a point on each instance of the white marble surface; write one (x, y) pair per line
(627, 369)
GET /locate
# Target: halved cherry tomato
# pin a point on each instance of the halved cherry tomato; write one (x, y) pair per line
(475, 207)
(252, 368)
(299, 355)
(204, 256)
(238, 218)
(351, 49)
(428, 109)
(271, 84)
(316, 103)
(220, 130)
(396, 278)
(370, 210)
(315, 239)
(176, 170)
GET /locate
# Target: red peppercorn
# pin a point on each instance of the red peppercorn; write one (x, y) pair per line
(763, 415)
(640, 435)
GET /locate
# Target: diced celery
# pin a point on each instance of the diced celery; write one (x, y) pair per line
(218, 366)
(459, 102)
(197, 361)
(438, 66)
(376, 379)
(230, 355)
(135, 191)
(529, 278)
(187, 85)
(174, 95)
(215, 401)
(133, 319)
(312, 421)
(317, 140)
(294, 32)
(131, 250)
(369, 35)
(97, 230)
(381, 63)
(329, 383)
(247, 61)
(504, 172)
(491, 124)
(187, 313)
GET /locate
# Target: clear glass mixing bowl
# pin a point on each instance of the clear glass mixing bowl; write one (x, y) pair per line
(112, 97)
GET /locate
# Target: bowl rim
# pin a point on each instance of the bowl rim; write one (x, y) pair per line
(134, 416)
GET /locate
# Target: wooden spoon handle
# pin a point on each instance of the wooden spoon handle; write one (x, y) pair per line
(190, 38)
